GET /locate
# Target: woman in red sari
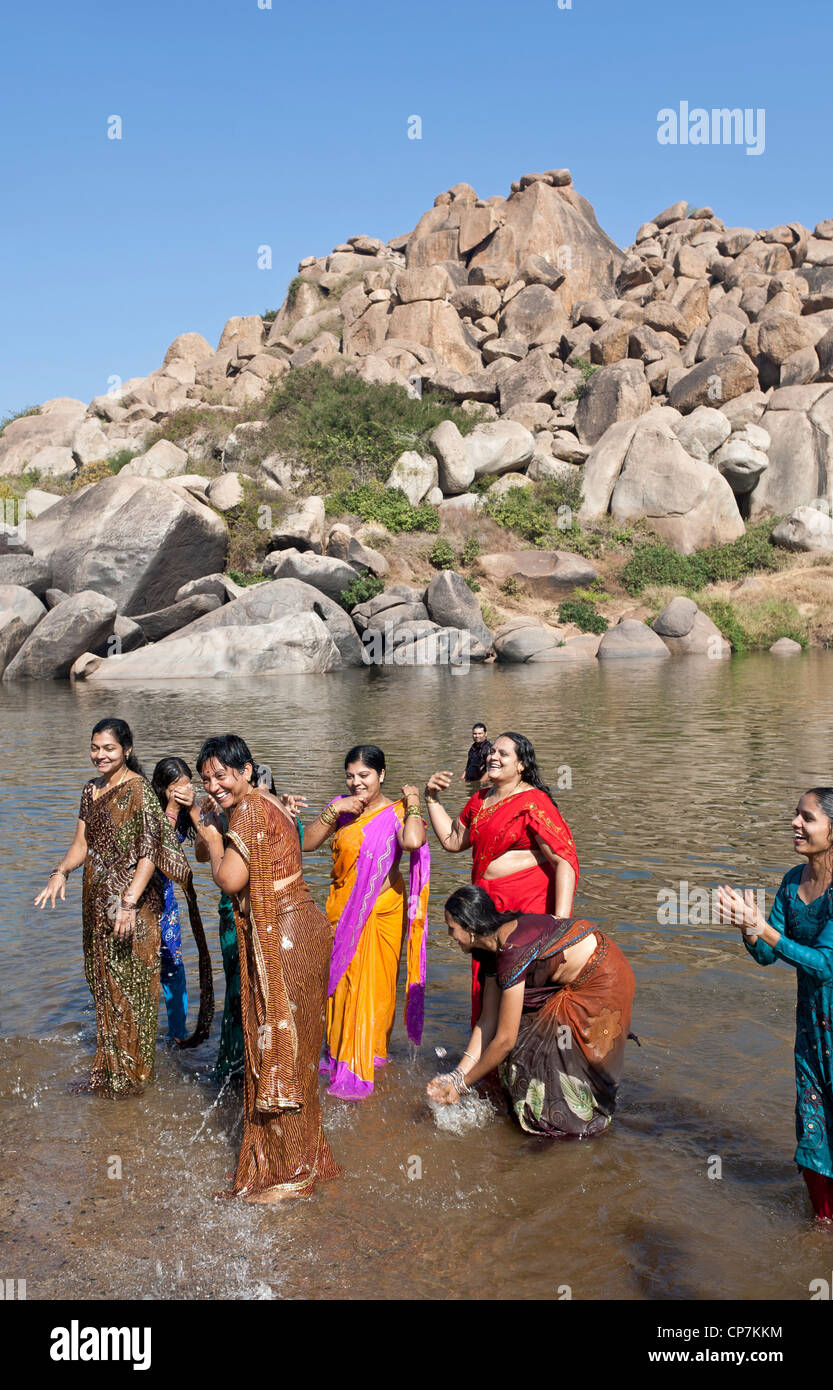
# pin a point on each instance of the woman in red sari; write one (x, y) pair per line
(523, 852)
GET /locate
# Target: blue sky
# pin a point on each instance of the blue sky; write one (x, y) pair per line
(289, 127)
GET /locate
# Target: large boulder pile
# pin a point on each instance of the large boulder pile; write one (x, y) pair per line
(686, 380)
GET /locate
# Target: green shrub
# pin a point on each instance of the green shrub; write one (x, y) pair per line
(292, 291)
(488, 614)
(512, 587)
(331, 421)
(250, 526)
(582, 613)
(256, 577)
(533, 512)
(387, 505)
(656, 563)
(216, 424)
(441, 555)
(758, 626)
(118, 461)
(472, 583)
(470, 552)
(269, 316)
(18, 415)
(360, 589)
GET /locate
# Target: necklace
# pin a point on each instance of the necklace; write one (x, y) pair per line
(99, 790)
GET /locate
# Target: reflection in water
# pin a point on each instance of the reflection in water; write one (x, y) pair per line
(688, 772)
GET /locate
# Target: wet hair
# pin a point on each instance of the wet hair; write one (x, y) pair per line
(824, 796)
(228, 749)
(474, 910)
(526, 755)
(169, 770)
(121, 733)
(368, 754)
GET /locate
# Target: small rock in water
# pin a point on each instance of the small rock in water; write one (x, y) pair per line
(440, 1052)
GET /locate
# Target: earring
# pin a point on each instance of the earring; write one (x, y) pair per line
(471, 934)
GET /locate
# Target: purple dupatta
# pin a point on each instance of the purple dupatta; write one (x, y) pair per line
(378, 855)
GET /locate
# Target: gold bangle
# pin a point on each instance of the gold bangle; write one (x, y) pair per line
(412, 811)
(329, 816)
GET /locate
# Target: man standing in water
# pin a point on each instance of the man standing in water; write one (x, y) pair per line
(478, 753)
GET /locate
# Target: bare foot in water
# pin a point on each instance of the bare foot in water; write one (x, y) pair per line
(269, 1197)
(80, 1088)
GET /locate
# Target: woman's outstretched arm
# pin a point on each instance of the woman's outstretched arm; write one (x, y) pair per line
(452, 834)
(73, 859)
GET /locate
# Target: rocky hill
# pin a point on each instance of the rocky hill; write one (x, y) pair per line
(686, 382)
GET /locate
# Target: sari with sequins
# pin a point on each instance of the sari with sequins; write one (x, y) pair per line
(284, 944)
(124, 825)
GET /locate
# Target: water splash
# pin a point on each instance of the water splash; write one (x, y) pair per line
(470, 1112)
(213, 1106)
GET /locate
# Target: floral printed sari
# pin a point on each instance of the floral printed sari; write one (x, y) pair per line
(562, 1075)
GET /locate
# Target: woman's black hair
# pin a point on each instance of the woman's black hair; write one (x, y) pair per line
(474, 910)
(169, 770)
(121, 732)
(228, 749)
(824, 796)
(368, 754)
(526, 755)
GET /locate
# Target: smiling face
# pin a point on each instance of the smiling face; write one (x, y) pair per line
(466, 941)
(812, 831)
(478, 733)
(362, 781)
(107, 754)
(502, 764)
(460, 935)
(226, 784)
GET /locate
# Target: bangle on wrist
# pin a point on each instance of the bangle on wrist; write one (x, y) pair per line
(328, 816)
(62, 872)
(412, 811)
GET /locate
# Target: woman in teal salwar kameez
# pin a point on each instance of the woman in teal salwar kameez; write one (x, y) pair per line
(799, 931)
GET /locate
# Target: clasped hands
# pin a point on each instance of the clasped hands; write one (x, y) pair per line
(741, 910)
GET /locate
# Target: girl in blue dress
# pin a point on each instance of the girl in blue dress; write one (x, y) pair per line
(799, 931)
(172, 783)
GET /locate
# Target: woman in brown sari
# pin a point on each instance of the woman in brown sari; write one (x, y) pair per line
(556, 1013)
(122, 838)
(284, 944)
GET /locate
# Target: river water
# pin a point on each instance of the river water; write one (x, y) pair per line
(681, 770)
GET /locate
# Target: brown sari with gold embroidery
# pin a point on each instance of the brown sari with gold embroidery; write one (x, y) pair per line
(562, 1075)
(124, 825)
(285, 944)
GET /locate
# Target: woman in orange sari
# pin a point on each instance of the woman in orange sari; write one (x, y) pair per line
(284, 945)
(524, 855)
(372, 914)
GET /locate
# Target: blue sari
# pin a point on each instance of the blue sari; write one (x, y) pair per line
(172, 969)
(806, 943)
